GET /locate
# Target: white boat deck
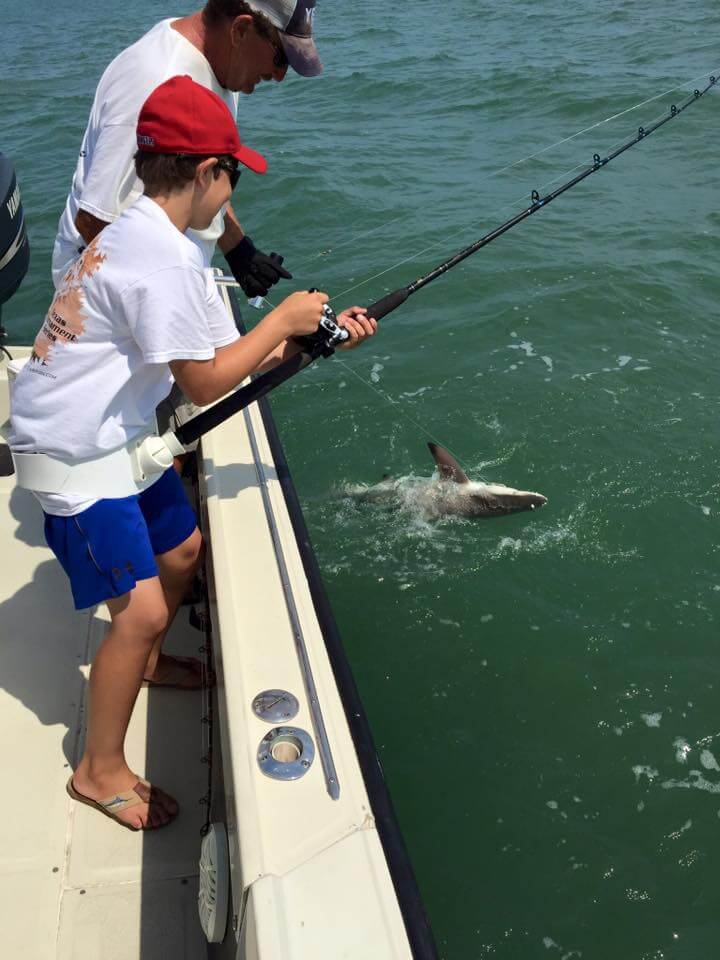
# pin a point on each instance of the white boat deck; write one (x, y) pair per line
(309, 874)
(74, 885)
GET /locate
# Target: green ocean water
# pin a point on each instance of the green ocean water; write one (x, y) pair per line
(543, 688)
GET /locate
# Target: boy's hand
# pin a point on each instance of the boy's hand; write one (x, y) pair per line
(300, 313)
(358, 325)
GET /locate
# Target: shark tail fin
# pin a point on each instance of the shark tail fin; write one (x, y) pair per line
(448, 466)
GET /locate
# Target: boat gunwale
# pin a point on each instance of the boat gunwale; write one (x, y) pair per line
(412, 908)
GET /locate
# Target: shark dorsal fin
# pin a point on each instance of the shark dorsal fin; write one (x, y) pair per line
(448, 466)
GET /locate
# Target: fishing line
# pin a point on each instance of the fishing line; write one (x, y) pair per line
(407, 416)
(330, 335)
(344, 243)
(614, 150)
(510, 166)
(510, 204)
(395, 403)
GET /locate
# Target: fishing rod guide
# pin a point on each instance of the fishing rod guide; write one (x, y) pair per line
(326, 339)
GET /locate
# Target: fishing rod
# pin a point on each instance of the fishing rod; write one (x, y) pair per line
(330, 334)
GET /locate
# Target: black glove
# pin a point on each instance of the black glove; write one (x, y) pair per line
(254, 270)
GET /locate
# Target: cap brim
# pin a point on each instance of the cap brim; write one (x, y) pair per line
(302, 55)
(251, 159)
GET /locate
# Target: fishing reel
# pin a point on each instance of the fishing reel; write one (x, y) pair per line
(328, 336)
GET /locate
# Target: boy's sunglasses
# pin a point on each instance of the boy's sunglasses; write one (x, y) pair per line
(233, 171)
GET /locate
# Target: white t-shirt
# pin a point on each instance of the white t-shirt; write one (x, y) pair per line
(136, 299)
(105, 182)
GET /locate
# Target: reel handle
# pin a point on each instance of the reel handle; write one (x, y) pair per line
(328, 312)
(329, 334)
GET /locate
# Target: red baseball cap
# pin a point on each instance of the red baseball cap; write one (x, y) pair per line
(182, 116)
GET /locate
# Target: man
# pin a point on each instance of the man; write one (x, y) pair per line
(230, 46)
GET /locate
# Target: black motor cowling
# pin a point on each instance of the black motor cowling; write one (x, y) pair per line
(14, 246)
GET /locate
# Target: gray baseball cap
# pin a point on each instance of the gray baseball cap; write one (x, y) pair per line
(294, 20)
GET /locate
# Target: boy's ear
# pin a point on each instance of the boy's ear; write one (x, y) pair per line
(204, 172)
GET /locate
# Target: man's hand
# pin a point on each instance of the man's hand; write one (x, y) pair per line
(358, 325)
(254, 270)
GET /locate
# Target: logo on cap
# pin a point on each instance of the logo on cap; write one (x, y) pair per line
(144, 141)
(302, 19)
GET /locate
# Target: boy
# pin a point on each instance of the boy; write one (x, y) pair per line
(131, 315)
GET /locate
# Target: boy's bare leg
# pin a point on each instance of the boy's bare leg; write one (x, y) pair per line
(138, 619)
(177, 568)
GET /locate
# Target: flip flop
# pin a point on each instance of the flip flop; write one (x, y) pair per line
(121, 801)
(185, 673)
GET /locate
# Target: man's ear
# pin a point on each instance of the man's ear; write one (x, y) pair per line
(240, 27)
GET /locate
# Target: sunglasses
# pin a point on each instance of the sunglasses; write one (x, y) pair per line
(232, 170)
(280, 60)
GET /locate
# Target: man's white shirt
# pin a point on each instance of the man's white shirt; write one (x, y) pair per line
(136, 299)
(105, 182)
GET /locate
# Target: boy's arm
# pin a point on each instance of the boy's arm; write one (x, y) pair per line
(205, 381)
(288, 348)
(354, 320)
(267, 345)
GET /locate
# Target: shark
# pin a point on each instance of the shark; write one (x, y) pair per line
(451, 494)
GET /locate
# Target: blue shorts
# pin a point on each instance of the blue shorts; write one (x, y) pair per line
(107, 548)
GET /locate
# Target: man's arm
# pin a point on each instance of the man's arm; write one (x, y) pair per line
(89, 226)
(254, 270)
(234, 233)
(108, 179)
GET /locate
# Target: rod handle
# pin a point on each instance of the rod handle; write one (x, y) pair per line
(203, 422)
(385, 305)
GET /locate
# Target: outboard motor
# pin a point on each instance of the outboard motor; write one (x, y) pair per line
(14, 261)
(14, 246)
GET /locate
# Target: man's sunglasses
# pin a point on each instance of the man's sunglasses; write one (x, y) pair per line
(280, 60)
